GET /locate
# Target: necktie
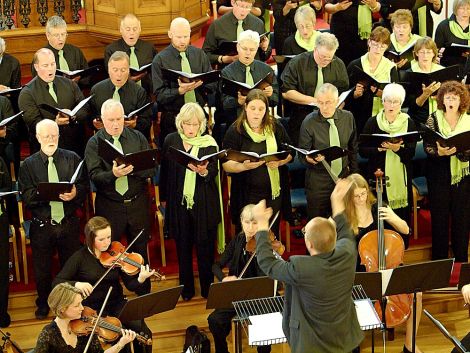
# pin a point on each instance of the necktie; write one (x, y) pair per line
(122, 184)
(116, 96)
(57, 207)
(249, 77)
(52, 92)
(337, 164)
(134, 63)
(63, 65)
(185, 67)
(319, 79)
(239, 28)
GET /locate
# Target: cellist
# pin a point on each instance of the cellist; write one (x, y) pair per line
(361, 211)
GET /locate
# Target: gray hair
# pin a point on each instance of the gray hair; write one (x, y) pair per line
(111, 105)
(189, 111)
(46, 123)
(3, 46)
(118, 56)
(305, 14)
(249, 35)
(129, 16)
(459, 3)
(394, 90)
(327, 88)
(55, 22)
(247, 213)
(327, 40)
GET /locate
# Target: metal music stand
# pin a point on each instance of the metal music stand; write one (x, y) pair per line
(456, 342)
(411, 279)
(246, 309)
(150, 304)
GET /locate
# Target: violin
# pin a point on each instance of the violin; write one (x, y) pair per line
(8, 345)
(382, 249)
(108, 328)
(276, 245)
(130, 263)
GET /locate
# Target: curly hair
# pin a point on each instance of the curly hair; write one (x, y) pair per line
(457, 88)
(268, 121)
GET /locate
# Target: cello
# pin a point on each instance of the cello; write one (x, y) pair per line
(383, 249)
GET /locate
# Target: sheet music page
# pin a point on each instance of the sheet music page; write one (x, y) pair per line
(386, 275)
(366, 314)
(266, 327)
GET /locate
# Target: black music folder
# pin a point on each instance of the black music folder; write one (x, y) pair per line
(7, 120)
(133, 114)
(460, 141)
(415, 80)
(223, 294)
(376, 140)
(140, 70)
(227, 48)
(150, 304)
(71, 114)
(406, 53)
(47, 191)
(141, 160)
(82, 73)
(231, 87)
(359, 76)
(11, 91)
(330, 153)
(241, 156)
(282, 59)
(456, 50)
(184, 158)
(206, 77)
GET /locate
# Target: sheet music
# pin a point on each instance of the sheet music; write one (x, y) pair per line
(386, 275)
(265, 329)
(74, 176)
(366, 314)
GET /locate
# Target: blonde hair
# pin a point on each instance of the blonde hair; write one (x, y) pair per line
(401, 16)
(358, 182)
(189, 111)
(61, 297)
(426, 43)
(322, 234)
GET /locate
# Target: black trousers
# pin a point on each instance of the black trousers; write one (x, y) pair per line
(167, 125)
(45, 239)
(185, 241)
(220, 325)
(129, 218)
(449, 202)
(318, 189)
(4, 270)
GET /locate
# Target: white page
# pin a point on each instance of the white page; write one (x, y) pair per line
(74, 176)
(7, 120)
(267, 327)
(366, 314)
(343, 96)
(386, 275)
(80, 105)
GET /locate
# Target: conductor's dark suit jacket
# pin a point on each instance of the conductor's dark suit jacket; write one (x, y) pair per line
(319, 314)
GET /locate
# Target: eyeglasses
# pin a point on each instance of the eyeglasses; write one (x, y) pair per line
(309, 26)
(190, 125)
(361, 195)
(243, 7)
(425, 52)
(327, 103)
(451, 98)
(59, 35)
(377, 45)
(392, 101)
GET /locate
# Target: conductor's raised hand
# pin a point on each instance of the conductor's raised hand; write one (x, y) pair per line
(121, 170)
(262, 215)
(337, 196)
(85, 287)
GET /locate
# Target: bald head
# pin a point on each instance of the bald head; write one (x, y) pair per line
(180, 33)
(320, 235)
(130, 29)
(44, 64)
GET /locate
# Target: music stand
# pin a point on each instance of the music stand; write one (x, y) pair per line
(371, 282)
(150, 304)
(222, 294)
(411, 279)
(455, 341)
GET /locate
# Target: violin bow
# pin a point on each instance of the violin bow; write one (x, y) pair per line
(328, 169)
(98, 318)
(254, 252)
(115, 262)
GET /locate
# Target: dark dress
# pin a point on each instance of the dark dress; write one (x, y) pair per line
(191, 227)
(447, 202)
(5, 185)
(252, 186)
(377, 160)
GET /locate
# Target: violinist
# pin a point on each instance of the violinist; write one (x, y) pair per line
(84, 269)
(448, 174)
(235, 256)
(192, 199)
(65, 301)
(361, 212)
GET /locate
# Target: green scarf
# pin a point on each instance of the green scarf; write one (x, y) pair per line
(364, 21)
(399, 48)
(271, 146)
(190, 183)
(422, 21)
(458, 169)
(307, 45)
(432, 102)
(397, 192)
(381, 74)
(457, 30)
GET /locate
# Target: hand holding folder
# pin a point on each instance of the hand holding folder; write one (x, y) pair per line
(184, 158)
(67, 112)
(4, 122)
(231, 87)
(79, 73)
(376, 140)
(330, 153)
(460, 141)
(185, 77)
(141, 70)
(241, 156)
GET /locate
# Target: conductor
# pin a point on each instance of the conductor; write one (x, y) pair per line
(319, 313)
